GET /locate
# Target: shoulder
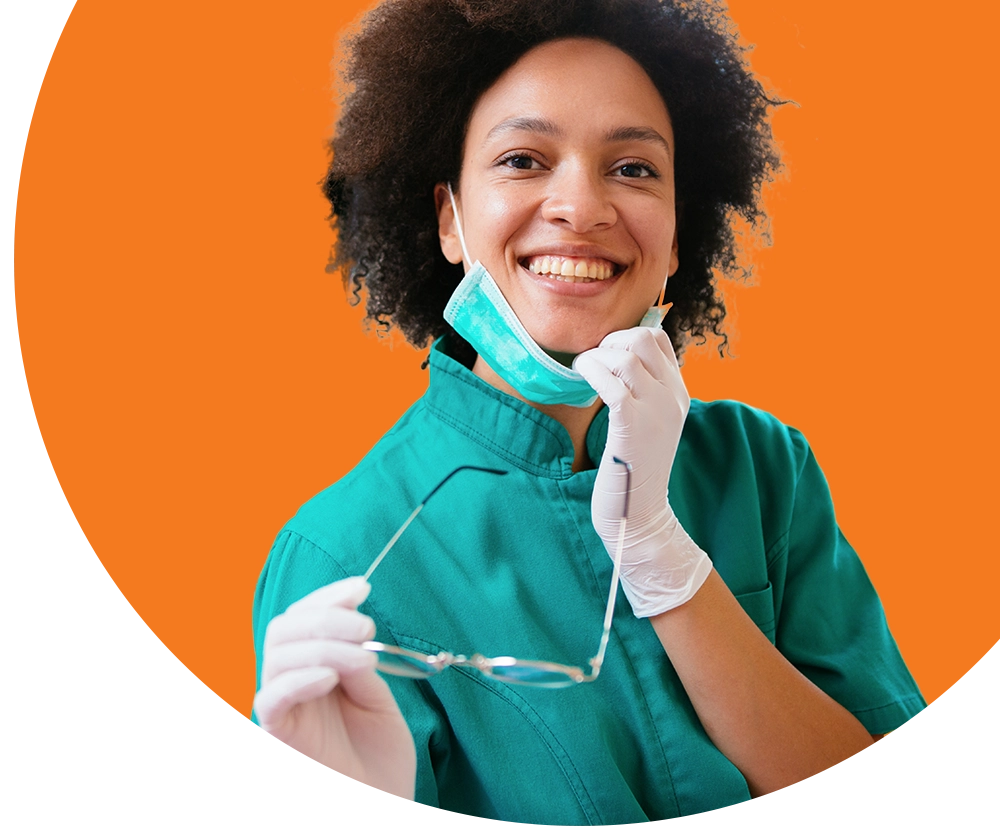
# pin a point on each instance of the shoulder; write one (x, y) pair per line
(728, 430)
(333, 534)
(741, 467)
(364, 503)
(737, 418)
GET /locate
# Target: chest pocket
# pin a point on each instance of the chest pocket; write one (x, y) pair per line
(759, 606)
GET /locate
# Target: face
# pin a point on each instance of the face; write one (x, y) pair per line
(567, 192)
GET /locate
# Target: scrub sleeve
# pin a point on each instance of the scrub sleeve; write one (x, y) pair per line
(512, 566)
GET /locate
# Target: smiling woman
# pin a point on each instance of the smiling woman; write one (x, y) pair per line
(548, 196)
(536, 179)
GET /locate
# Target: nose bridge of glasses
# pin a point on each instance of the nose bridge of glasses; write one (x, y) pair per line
(445, 659)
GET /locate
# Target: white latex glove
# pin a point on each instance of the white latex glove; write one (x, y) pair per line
(320, 692)
(635, 372)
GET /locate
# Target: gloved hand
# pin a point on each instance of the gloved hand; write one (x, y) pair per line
(635, 372)
(321, 695)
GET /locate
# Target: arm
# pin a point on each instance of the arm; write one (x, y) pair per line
(774, 724)
(759, 710)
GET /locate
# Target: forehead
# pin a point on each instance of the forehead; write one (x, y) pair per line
(573, 80)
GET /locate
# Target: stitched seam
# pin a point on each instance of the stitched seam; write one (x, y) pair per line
(536, 723)
(891, 704)
(777, 549)
(630, 667)
(320, 548)
(382, 626)
(772, 622)
(484, 440)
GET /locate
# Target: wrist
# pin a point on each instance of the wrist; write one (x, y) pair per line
(663, 569)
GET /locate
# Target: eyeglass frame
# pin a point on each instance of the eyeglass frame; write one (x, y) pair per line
(437, 663)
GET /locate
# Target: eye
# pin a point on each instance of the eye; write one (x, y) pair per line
(637, 170)
(518, 161)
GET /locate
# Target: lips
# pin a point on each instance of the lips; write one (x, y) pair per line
(571, 269)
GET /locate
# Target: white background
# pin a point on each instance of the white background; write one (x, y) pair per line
(101, 723)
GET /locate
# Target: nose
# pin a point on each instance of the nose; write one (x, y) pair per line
(577, 199)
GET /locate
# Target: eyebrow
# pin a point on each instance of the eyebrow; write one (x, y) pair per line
(639, 134)
(543, 126)
(529, 123)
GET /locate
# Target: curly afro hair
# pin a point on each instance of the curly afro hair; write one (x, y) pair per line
(416, 69)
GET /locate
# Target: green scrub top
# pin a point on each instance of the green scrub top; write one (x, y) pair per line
(512, 566)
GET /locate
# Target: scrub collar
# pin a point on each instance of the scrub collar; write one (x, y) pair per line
(511, 429)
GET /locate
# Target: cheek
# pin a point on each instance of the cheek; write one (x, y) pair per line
(655, 238)
(500, 219)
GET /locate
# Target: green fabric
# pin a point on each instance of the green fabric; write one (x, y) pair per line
(512, 566)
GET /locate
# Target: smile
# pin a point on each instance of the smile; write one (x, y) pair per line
(571, 269)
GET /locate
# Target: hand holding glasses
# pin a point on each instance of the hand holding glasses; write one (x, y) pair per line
(407, 663)
(319, 692)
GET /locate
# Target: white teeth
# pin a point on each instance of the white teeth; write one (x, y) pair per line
(570, 270)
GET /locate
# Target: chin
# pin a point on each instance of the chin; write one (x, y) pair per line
(571, 338)
(566, 348)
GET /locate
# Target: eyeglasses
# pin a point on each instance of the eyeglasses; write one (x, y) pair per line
(406, 663)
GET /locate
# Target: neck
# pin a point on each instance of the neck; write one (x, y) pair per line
(576, 420)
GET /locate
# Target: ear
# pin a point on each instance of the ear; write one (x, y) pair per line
(451, 247)
(675, 263)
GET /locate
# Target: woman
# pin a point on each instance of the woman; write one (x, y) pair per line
(542, 169)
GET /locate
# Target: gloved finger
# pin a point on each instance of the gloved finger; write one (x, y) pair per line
(368, 691)
(663, 339)
(654, 349)
(628, 338)
(610, 388)
(276, 698)
(347, 593)
(313, 623)
(342, 657)
(616, 375)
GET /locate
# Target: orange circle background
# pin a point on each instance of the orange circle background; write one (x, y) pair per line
(196, 375)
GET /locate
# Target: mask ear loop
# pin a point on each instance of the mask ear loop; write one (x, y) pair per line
(663, 293)
(658, 309)
(461, 236)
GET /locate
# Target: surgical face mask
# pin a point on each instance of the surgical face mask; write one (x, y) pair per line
(480, 313)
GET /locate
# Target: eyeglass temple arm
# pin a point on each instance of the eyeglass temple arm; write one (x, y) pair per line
(598, 659)
(441, 483)
(419, 507)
